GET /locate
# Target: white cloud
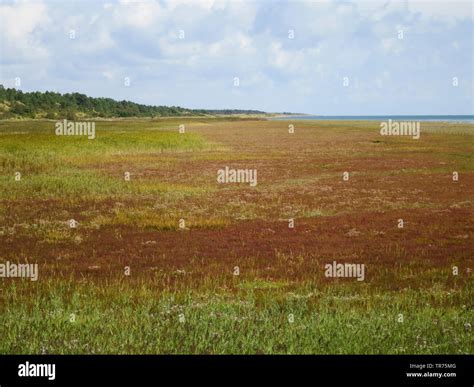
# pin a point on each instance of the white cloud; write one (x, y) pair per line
(21, 23)
(443, 10)
(138, 14)
(228, 37)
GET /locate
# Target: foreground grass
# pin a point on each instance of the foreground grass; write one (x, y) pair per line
(411, 303)
(117, 317)
(72, 166)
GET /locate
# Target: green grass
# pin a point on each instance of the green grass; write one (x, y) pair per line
(70, 166)
(67, 317)
(173, 177)
(150, 219)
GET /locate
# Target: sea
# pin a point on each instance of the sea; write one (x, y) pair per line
(440, 118)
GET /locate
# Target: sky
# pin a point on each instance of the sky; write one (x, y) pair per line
(316, 57)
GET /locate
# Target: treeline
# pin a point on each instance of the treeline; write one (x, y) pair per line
(15, 103)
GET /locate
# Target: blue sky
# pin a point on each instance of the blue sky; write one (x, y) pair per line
(319, 57)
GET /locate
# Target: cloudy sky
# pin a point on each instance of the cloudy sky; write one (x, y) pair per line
(319, 57)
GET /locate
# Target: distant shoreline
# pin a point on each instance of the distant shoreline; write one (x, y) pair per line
(424, 118)
(462, 119)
